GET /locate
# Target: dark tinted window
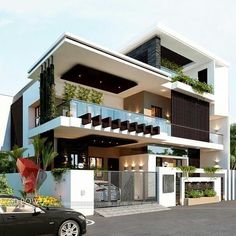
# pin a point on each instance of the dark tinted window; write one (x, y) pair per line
(156, 111)
(202, 76)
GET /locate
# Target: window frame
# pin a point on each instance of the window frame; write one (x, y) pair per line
(155, 110)
(18, 201)
(37, 116)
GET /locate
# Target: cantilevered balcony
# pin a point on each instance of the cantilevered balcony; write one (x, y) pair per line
(114, 118)
(78, 119)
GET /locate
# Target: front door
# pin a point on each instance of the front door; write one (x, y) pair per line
(20, 220)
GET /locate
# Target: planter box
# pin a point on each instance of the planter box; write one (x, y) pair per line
(201, 200)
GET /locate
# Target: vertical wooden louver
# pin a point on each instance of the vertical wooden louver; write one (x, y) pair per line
(190, 117)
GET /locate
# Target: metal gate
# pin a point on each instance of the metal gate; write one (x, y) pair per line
(119, 188)
(178, 178)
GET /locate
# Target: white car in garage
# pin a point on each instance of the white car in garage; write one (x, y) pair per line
(101, 191)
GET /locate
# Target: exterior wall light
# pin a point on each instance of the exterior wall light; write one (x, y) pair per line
(140, 167)
(133, 168)
(216, 129)
(217, 164)
(125, 168)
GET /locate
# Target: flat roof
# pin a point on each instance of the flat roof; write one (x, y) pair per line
(175, 42)
(66, 37)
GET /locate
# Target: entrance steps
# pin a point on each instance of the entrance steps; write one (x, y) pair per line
(130, 209)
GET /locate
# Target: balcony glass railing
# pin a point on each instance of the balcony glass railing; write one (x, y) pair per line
(172, 72)
(79, 108)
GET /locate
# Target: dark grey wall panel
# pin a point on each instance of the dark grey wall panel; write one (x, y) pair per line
(149, 52)
(190, 117)
(17, 123)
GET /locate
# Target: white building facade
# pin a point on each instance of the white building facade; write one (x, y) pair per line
(5, 122)
(128, 111)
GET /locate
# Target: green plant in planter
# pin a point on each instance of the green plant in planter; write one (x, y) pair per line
(171, 65)
(209, 193)
(96, 97)
(194, 193)
(83, 94)
(69, 92)
(210, 171)
(187, 170)
(196, 85)
(58, 174)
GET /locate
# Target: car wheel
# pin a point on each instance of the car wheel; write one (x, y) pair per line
(69, 228)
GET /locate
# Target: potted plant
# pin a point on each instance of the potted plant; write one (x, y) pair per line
(187, 170)
(210, 171)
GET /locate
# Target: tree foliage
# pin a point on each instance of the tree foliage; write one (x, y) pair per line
(4, 187)
(233, 146)
(48, 155)
(6, 164)
(38, 144)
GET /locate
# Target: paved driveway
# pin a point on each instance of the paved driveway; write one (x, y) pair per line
(206, 220)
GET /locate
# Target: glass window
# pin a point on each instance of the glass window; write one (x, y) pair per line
(166, 151)
(12, 205)
(156, 111)
(95, 163)
(202, 76)
(37, 116)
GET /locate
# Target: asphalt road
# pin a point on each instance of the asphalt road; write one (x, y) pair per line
(206, 220)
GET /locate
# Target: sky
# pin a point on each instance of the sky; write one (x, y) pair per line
(28, 28)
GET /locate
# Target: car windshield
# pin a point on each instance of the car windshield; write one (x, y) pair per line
(14, 205)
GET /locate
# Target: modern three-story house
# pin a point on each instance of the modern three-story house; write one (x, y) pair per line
(162, 101)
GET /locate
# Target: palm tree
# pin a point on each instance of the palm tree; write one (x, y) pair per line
(48, 155)
(38, 144)
(16, 153)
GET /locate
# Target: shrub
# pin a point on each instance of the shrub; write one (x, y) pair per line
(79, 92)
(69, 92)
(83, 94)
(197, 86)
(194, 194)
(47, 201)
(6, 165)
(57, 173)
(187, 170)
(171, 65)
(210, 170)
(4, 187)
(96, 97)
(209, 193)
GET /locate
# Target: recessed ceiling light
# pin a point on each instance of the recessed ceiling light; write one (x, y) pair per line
(94, 140)
(100, 81)
(110, 142)
(117, 143)
(102, 141)
(119, 87)
(80, 75)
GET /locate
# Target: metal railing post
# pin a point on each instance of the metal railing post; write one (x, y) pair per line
(109, 186)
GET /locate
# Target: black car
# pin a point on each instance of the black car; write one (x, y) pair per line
(19, 218)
